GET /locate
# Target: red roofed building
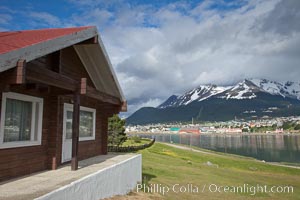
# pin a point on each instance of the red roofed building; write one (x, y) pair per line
(58, 90)
(190, 130)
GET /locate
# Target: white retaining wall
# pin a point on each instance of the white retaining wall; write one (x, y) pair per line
(118, 179)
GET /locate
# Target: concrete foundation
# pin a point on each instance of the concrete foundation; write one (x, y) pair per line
(99, 177)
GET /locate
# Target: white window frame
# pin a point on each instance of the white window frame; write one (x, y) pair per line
(34, 101)
(69, 107)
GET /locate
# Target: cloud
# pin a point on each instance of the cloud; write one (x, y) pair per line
(3, 29)
(29, 17)
(205, 45)
(284, 18)
(94, 3)
(44, 17)
(5, 19)
(95, 16)
(7, 10)
(148, 103)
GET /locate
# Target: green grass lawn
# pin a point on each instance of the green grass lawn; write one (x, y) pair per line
(132, 142)
(167, 166)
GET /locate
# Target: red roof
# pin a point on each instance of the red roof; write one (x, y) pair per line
(190, 130)
(13, 40)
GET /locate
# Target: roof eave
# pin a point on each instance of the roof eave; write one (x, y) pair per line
(112, 70)
(9, 60)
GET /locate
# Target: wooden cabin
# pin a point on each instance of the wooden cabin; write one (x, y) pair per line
(58, 90)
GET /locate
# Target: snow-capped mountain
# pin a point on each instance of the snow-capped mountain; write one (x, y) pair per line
(171, 101)
(287, 89)
(198, 94)
(246, 89)
(246, 100)
(243, 90)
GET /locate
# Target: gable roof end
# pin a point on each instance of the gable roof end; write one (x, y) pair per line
(31, 44)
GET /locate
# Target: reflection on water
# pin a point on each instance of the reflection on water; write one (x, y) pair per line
(272, 148)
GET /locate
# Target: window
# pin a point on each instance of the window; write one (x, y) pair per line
(87, 122)
(21, 120)
(86, 128)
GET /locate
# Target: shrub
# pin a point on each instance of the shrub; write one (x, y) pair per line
(136, 139)
(297, 127)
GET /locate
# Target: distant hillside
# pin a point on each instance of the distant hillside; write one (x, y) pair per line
(249, 99)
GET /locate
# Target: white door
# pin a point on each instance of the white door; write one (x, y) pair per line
(67, 133)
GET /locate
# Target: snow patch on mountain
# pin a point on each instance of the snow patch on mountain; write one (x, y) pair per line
(216, 91)
(201, 93)
(195, 96)
(271, 87)
(287, 89)
(198, 94)
(243, 90)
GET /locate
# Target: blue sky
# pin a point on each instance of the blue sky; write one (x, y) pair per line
(35, 14)
(159, 48)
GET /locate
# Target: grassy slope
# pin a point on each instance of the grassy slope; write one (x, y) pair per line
(168, 166)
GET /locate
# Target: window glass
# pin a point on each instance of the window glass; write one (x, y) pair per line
(21, 120)
(17, 124)
(69, 124)
(86, 124)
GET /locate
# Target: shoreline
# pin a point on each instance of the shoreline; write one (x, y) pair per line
(176, 139)
(227, 154)
(172, 133)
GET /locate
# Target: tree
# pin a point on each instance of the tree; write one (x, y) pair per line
(116, 131)
(297, 127)
(287, 125)
(245, 130)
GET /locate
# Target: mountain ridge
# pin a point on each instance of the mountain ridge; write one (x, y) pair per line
(242, 89)
(247, 100)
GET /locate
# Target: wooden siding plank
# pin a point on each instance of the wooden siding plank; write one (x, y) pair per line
(45, 76)
(72, 67)
(93, 93)
(15, 75)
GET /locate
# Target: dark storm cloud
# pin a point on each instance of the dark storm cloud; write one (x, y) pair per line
(284, 18)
